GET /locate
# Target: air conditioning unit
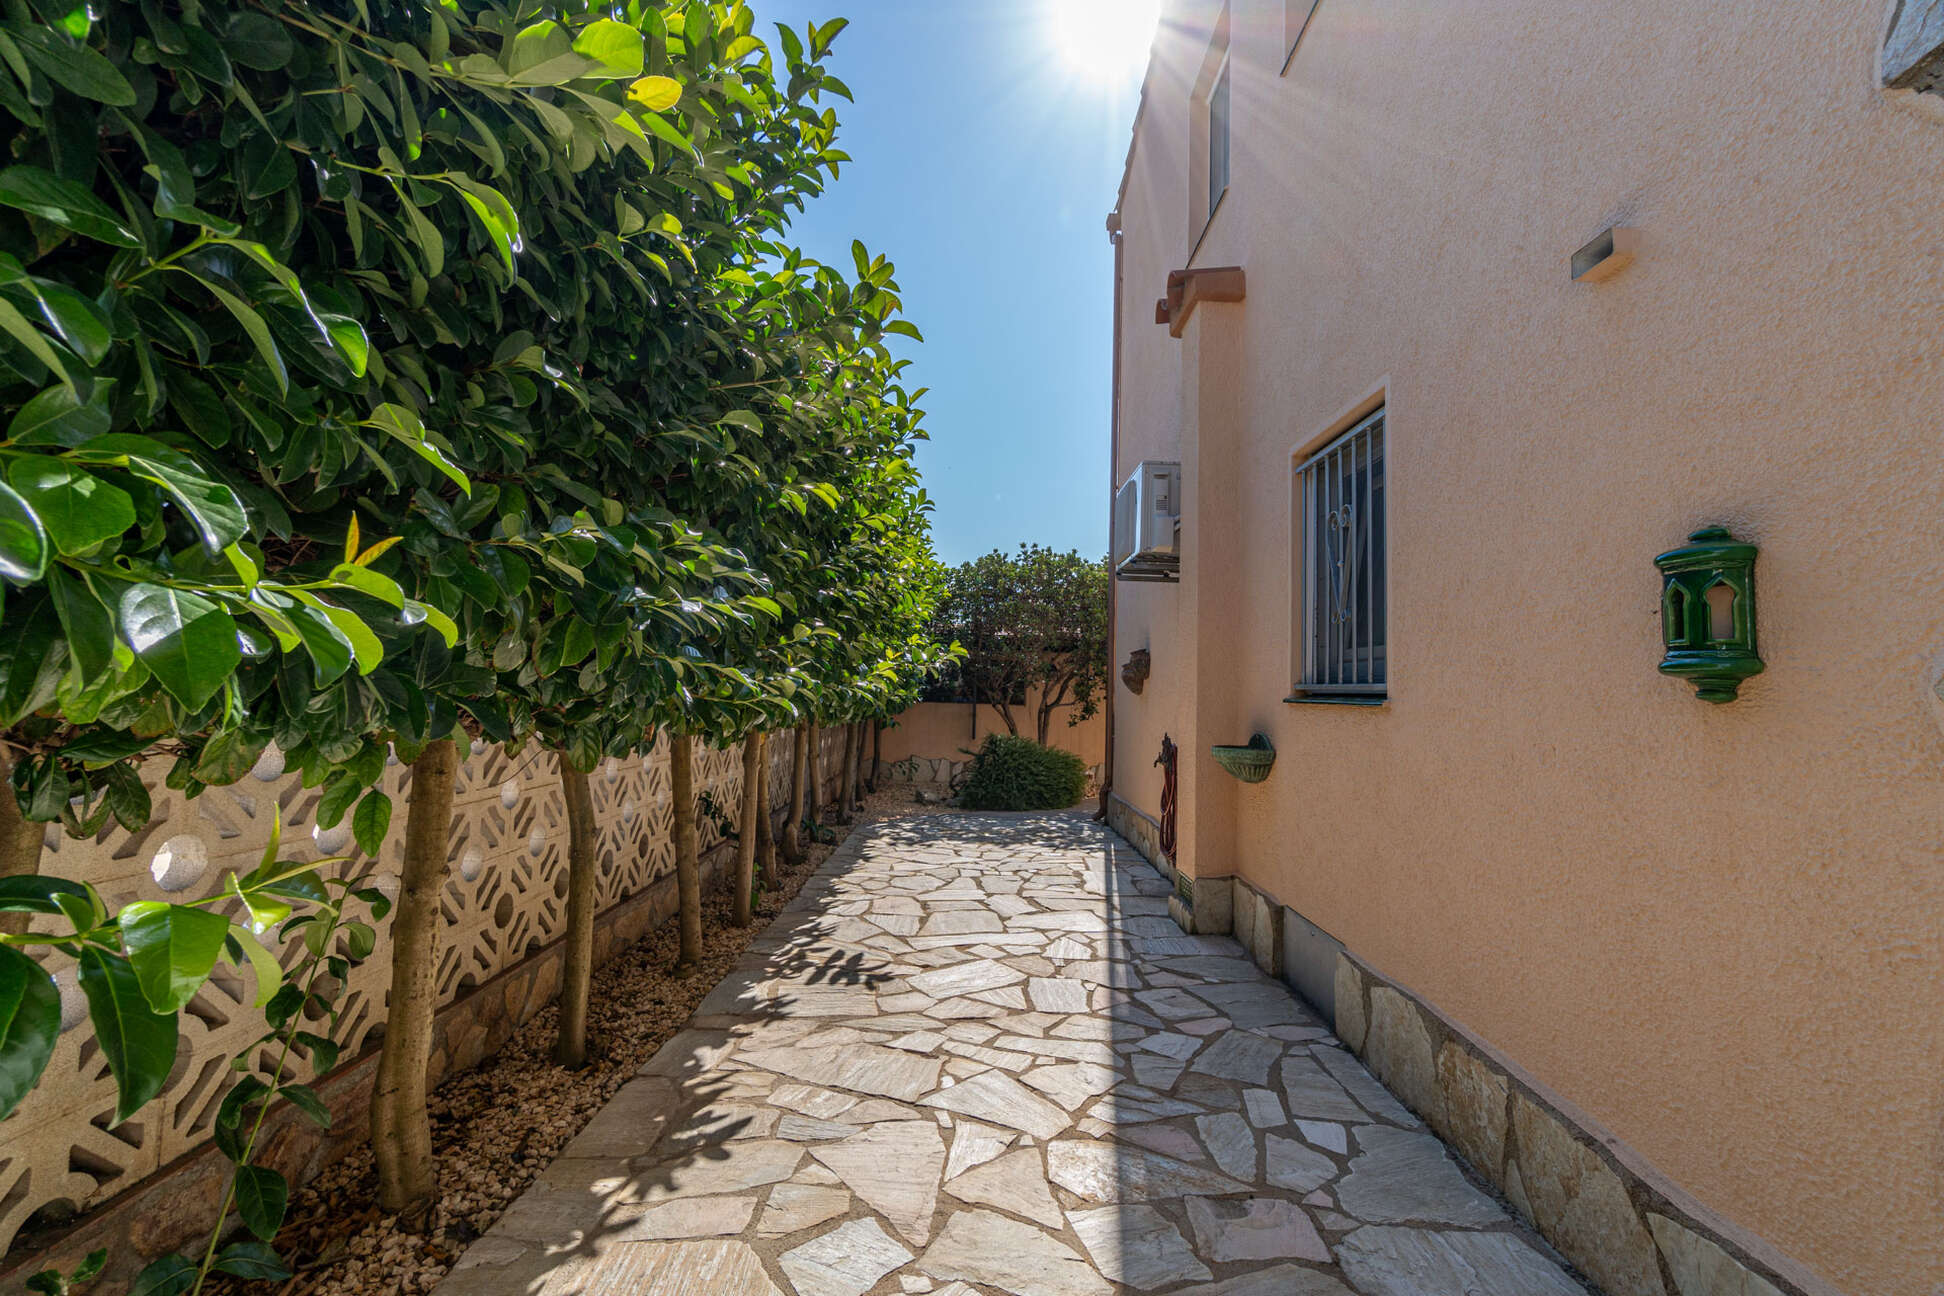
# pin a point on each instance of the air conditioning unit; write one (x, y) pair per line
(1147, 524)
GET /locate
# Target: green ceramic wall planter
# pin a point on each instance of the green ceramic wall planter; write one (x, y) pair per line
(1708, 613)
(1250, 764)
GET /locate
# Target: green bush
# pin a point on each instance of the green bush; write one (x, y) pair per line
(1018, 774)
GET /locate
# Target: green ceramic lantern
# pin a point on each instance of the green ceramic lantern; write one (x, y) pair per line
(1708, 613)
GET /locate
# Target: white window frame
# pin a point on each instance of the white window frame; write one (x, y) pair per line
(1221, 91)
(1341, 492)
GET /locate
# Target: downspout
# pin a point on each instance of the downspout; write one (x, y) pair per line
(1114, 235)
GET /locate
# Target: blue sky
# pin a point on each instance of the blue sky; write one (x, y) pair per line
(985, 163)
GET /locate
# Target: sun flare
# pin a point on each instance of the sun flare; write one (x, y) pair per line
(1103, 41)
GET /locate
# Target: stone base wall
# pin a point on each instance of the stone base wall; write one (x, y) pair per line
(169, 1210)
(1627, 1227)
(68, 1185)
(1622, 1223)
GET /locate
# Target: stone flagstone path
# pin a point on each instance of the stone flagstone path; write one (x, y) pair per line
(975, 1056)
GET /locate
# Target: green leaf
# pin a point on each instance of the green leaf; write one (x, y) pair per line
(261, 1198)
(348, 339)
(81, 324)
(252, 324)
(366, 581)
(17, 326)
(269, 975)
(371, 821)
(139, 1045)
(75, 68)
(211, 505)
(329, 648)
(79, 509)
(30, 1022)
(656, 93)
(23, 540)
(252, 1261)
(35, 893)
(256, 40)
(173, 949)
(186, 640)
(88, 623)
(172, 1275)
(58, 417)
(614, 45)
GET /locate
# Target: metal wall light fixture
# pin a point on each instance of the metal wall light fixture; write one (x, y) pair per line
(1708, 613)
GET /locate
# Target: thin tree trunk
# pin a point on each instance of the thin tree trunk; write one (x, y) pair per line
(765, 820)
(401, 1131)
(799, 784)
(815, 809)
(583, 871)
(846, 774)
(1045, 724)
(752, 828)
(877, 754)
(20, 845)
(857, 760)
(688, 864)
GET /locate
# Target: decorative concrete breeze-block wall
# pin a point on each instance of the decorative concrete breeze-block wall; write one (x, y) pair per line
(505, 905)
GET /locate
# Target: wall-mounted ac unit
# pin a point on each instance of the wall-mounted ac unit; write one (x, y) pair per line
(1147, 524)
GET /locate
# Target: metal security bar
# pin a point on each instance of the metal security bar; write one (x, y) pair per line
(1345, 581)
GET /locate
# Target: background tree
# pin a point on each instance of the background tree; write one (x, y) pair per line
(1030, 622)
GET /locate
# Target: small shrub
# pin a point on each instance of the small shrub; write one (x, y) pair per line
(1018, 774)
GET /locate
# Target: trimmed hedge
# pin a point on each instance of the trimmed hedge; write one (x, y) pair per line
(1011, 773)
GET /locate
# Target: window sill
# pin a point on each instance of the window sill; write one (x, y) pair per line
(1339, 699)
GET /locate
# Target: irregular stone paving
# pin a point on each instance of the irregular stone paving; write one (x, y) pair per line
(975, 1056)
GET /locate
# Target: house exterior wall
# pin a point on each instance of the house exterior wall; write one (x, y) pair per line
(935, 736)
(1710, 931)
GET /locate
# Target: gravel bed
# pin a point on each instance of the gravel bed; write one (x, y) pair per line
(497, 1127)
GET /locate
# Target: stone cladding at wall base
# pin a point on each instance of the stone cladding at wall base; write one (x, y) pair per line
(1625, 1226)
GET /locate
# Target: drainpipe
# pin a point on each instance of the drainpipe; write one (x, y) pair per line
(1114, 234)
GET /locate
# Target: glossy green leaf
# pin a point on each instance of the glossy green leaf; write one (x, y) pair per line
(213, 507)
(23, 540)
(78, 508)
(173, 949)
(58, 417)
(138, 1044)
(186, 640)
(75, 68)
(269, 975)
(30, 1022)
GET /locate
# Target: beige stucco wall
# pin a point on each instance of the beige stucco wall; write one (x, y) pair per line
(946, 730)
(1716, 929)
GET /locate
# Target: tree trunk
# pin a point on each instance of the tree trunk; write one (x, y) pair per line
(857, 783)
(20, 845)
(877, 754)
(765, 820)
(846, 775)
(401, 1131)
(583, 871)
(752, 828)
(688, 864)
(814, 811)
(1045, 724)
(799, 783)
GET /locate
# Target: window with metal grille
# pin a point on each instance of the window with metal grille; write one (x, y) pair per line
(1218, 138)
(1343, 584)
